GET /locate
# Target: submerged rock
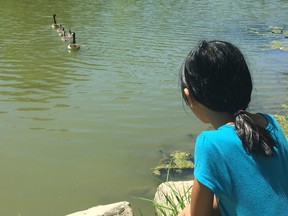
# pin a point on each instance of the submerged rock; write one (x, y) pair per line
(276, 29)
(177, 161)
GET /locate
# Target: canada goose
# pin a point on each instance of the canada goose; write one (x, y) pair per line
(60, 28)
(61, 32)
(73, 45)
(64, 37)
(69, 34)
(55, 25)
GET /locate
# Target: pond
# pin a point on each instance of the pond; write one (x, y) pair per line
(80, 129)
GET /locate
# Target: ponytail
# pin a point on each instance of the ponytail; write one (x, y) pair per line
(254, 138)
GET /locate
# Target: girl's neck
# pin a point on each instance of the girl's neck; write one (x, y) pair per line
(218, 119)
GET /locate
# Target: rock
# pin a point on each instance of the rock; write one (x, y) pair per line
(172, 196)
(115, 209)
(285, 34)
(276, 29)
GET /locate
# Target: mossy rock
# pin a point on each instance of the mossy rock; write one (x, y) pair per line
(285, 34)
(177, 161)
(276, 30)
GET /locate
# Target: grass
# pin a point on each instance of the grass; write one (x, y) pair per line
(174, 201)
(169, 199)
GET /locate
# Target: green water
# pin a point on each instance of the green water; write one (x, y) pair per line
(85, 128)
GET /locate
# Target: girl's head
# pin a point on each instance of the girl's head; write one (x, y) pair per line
(217, 76)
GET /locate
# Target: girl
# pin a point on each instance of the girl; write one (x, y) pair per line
(241, 167)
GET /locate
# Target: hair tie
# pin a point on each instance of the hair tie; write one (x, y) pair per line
(238, 112)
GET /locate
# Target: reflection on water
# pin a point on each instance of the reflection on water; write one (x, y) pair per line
(85, 128)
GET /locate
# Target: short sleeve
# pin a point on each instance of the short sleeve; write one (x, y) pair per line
(210, 166)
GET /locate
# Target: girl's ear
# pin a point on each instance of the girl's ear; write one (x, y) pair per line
(191, 100)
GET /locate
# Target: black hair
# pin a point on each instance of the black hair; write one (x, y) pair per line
(217, 76)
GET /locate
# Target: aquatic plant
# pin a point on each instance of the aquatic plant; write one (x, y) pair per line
(278, 44)
(177, 162)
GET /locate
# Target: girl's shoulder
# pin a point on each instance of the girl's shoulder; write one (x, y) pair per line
(222, 134)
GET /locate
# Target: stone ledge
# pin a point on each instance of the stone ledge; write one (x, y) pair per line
(115, 209)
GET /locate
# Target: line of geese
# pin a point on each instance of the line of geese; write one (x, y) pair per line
(65, 37)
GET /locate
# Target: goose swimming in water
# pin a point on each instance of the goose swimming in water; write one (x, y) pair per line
(60, 29)
(73, 45)
(70, 34)
(64, 37)
(55, 25)
(61, 32)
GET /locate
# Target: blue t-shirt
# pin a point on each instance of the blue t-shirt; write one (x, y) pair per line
(244, 184)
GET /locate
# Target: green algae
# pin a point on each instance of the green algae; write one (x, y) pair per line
(256, 31)
(283, 121)
(175, 162)
(277, 44)
(270, 31)
(276, 33)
